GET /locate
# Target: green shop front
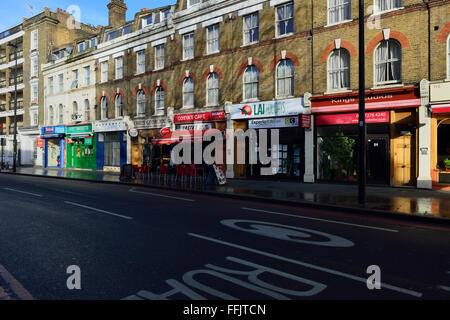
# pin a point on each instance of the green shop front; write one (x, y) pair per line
(81, 147)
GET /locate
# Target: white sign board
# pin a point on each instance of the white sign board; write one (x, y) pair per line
(196, 126)
(268, 109)
(110, 126)
(284, 122)
(440, 91)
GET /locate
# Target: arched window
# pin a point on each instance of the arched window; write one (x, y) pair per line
(141, 101)
(75, 108)
(338, 70)
(103, 108)
(61, 114)
(188, 93)
(388, 62)
(159, 101)
(251, 83)
(285, 78)
(51, 115)
(212, 85)
(87, 110)
(119, 105)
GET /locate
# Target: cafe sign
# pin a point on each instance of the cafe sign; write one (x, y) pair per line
(268, 109)
(205, 116)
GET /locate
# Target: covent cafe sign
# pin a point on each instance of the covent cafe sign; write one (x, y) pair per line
(268, 109)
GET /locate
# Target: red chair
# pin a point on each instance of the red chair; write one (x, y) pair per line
(144, 171)
(163, 170)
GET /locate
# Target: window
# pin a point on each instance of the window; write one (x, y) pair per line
(87, 76)
(75, 79)
(212, 85)
(385, 5)
(285, 19)
(81, 46)
(159, 101)
(448, 57)
(193, 2)
(339, 70)
(61, 82)
(34, 40)
(50, 85)
(141, 61)
(147, 21)
(188, 46)
(159, 57)
(104, 76)
(119, 68)
(34, 67)
(141, 101)
(34, 93)
(251, 28)
(61, 114)
(51, 116)
(87, 110)
(212, 38)
(285, 78)
(165, 14)
(112, 149)
(338, 10)
(75, 111)
(251, 83)
(34, 118)
(113, 34)
(119, 105)
(93, 42)
(103, 108)
(388, 62)
(188, 93)
(126, 30)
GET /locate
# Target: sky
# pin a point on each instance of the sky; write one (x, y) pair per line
(91, 11)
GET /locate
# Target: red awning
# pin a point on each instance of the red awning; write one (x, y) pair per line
(441, 108)
(184, 136)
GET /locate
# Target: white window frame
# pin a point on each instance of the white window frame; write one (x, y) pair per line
(119, 67)
(144, 22)
(34, 45)
(61, 114)
(51, 86)
(340, 70)
(82, 46)
(61, 83)
(34, 93)
(103, 108)
(191, 4)
(159, 56)
(87, 110)
(140, 62)
(93, 40)
(34, 66)
(185, 93)
(209, 30)
(75, 109)
(376, 5)
(87, 76)
(34, 117)
(75, 79)
(190, 49)
(336, 7)
(246, 83)
(389, 61)
(245, 30)
(141, 103)
(159, 101)
(51, 116)
(212, 89)
(292, 81)
(277, 22)
(119, 106)
(104, 71)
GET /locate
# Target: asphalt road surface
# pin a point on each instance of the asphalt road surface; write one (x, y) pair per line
(121, 242)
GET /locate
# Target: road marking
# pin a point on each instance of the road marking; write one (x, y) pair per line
(307, 265)
(32, 194)
(98, 210)
(318, 219)
(15, 285)
(161, 195)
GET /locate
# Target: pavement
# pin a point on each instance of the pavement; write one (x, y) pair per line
(81, 240)
(400, 201)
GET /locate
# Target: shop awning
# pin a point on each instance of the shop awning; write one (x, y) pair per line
(441, 108)
(397, 104)
(185, 136)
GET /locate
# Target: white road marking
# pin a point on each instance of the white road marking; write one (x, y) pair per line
(307, 265)
(161, 195)
(318, 219)
(29, 193)
(98, 210)
(15, 285)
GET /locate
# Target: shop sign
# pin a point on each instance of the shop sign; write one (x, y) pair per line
(440, 91)
(305, 121)
(196, 126)
(268, 109)
(164, 131)
(53, 130)
(133, 133)
(88, 141)
(351, 118)
(40, 143)
(69, 140)
(80, 129)
(206, 116)
(110, 126)
(284, 122)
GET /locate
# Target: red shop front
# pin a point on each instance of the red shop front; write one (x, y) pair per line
(391, 136)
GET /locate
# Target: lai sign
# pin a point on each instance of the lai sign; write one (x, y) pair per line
(268, 109)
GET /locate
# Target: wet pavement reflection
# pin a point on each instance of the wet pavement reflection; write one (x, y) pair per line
(432, 203)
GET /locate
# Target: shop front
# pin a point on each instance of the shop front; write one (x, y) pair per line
(290, 118)
(440, 133)
(391, 118)
(81, 147)
(111, 144)
(52, 141)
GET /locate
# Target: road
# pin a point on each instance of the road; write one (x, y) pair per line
(141, 243)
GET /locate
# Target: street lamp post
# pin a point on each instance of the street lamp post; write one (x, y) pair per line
(362, 110)
(15, 105)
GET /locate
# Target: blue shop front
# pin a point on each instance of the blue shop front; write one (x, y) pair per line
(53, 146)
